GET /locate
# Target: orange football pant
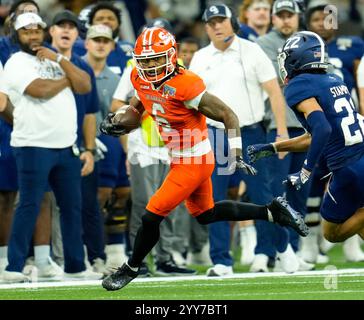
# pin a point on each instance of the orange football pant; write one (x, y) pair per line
(189, 182)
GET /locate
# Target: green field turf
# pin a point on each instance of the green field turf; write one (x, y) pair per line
(267, 287)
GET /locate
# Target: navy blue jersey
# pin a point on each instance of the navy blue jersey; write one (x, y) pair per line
(342, 53)
(117, 58)
(345, 145)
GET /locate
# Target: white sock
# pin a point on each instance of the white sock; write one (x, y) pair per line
(41, 254)
(4, 255)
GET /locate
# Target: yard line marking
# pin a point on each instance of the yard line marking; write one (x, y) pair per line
(67, 283)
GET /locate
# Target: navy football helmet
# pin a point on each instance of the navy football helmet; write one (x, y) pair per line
(304, 50)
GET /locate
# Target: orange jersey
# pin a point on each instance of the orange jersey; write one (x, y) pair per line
(174, 108)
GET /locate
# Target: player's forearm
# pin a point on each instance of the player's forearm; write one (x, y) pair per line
(297, 144)
(137, 104)
(320, 130)
(215, 109)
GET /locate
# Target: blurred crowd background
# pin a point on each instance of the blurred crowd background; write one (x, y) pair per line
(184, 15)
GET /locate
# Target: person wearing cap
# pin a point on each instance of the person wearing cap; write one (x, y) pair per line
(99, 43)
(64, 32)
(8, 170)
(254, 18)
(272, 240)
(45, 125)
(107, 13)
(238, 72)
(344, 54)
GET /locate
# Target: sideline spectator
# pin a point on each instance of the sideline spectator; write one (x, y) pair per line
(45, 126)
(64, 32)
(254, 18)
(8, 171)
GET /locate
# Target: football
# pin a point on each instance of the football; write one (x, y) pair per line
(128, 117)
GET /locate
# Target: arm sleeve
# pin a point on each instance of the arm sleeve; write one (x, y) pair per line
(320, 130)
(263, 65)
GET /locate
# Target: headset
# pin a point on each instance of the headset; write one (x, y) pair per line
(234, 22)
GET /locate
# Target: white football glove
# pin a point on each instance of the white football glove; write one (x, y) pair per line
(101, 149)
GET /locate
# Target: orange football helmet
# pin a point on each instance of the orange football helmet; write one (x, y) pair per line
(152, 45)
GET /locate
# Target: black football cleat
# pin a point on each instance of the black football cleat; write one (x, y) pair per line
(284, 215)
(120, 278)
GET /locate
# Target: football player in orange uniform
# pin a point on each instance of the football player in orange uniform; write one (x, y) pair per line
(178, 102)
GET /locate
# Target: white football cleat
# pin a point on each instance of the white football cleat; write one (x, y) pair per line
(260, 263)
(14, 277)
(50, 270)
(220, 270)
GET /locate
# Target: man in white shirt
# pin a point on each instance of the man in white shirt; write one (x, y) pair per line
(239, 73)
(39, 83)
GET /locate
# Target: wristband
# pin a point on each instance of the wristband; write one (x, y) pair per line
(274, 147)
(59, 57)
(235, 143)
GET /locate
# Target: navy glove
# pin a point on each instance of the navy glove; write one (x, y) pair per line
(239, 164)
(107, 127)
(298, 179)
(258, 151)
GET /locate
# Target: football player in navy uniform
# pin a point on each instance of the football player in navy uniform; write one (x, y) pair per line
(344, 54)
(335, 132)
